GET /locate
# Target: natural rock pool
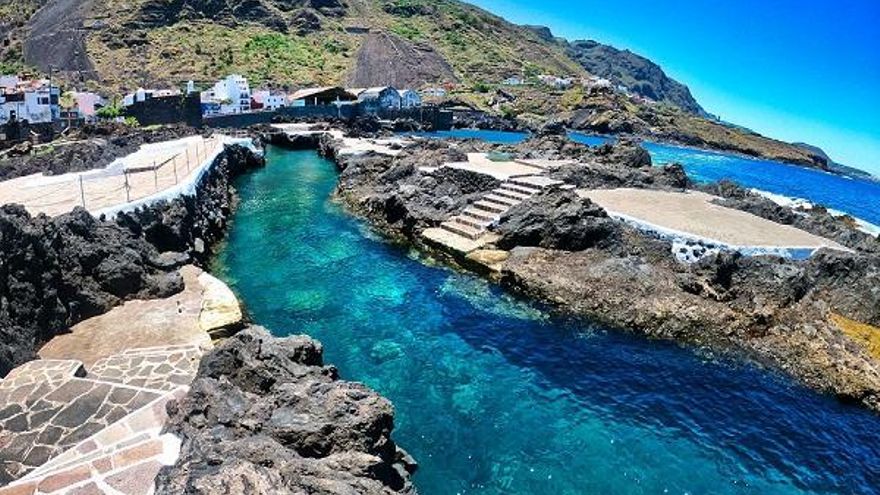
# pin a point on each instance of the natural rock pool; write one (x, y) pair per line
(494, 396)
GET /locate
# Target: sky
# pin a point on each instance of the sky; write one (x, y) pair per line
(799, 71)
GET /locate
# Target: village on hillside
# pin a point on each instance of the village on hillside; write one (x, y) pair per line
(39, 109)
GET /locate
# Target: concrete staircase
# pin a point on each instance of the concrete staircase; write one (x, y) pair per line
(65, 429)
(476, 219)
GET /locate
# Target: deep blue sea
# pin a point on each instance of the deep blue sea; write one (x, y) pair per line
(493, 396)
(858, 197)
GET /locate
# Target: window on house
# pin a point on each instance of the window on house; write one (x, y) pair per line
(43, 100)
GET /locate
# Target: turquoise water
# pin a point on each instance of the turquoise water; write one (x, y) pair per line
(857, 197)
(493, 396)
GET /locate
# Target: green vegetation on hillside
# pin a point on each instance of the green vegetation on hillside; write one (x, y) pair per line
(204, 51)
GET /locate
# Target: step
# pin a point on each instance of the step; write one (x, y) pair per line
(477, 223)
(490, 207)
(461, 229)
(528, 190)
(130, 469)
(166, 348)
(536, 181)
(501, 200)
(480, 214)
(60, 415)
(514, 195)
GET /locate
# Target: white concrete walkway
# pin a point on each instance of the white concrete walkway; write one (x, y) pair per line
(157, 171)
(692, 216)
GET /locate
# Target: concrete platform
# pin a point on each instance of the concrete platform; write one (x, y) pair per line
(177, 320)
(448, 240)
(692, 216)
(176, 163)
(505, 170)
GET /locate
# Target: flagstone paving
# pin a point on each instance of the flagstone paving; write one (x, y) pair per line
(88, 417)
(42, 419)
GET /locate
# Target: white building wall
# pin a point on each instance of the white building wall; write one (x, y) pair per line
(234, 89)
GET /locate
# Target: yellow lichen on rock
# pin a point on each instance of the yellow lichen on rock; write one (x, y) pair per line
(867, 335)
(490, 258)
(221, 312)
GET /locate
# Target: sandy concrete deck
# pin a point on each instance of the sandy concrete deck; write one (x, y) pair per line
(693, 215)
(177, 320)
(480, 163)
(175, 162)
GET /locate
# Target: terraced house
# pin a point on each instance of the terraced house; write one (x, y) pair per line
(33, 101)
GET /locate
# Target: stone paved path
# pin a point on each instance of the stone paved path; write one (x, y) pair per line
(87, 419)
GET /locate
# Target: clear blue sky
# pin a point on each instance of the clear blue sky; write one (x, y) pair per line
(793, 70)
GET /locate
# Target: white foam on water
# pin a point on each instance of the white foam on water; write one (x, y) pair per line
(800, 203)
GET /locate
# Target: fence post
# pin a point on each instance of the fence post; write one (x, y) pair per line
(82, 192)
(174, 161)
(127, 189)
(187, 159)
(156, 178)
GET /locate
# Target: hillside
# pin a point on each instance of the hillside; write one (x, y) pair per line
(135, 43)
(115, 46)
(640, 75)
(625, 68)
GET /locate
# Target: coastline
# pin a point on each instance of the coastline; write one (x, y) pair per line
(172, 231)
(699, 313)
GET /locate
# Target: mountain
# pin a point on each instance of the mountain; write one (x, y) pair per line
(625, 68)
(640, 75)
(116, 46)
(126, 44)
(836, 166)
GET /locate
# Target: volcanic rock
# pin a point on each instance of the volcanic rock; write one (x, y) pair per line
(265, 416)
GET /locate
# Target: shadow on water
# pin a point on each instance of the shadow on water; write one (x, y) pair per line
(495, 396)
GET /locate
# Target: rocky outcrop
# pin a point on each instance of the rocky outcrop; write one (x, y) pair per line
(561, 249)
(387, 59)
(194, 224)
(816, 220)
(557, 220)
(265, 416)
(273, 14)
(57, 271)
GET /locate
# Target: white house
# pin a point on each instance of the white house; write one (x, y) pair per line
(555, 82)
(37, 104)
(597, 82)
(232, 93)
(270, 101)
(513, 81)
(434, 92)
(409, 98)
(379, 98)
(9, 82)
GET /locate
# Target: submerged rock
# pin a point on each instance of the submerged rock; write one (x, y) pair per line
(265, 416)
